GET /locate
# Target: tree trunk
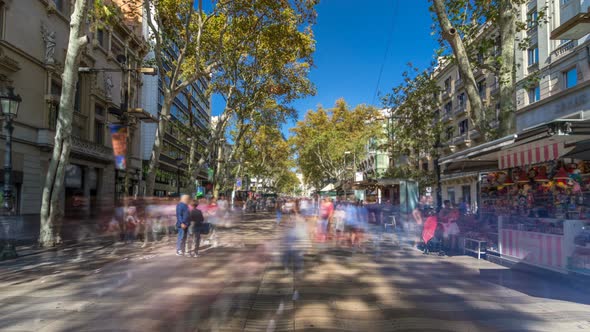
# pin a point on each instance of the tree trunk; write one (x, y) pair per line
(507, 26)
(451, 35)
(192, 170)
(150, 180)
(218, 170)
(51, 214)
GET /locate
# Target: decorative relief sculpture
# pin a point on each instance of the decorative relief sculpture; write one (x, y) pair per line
(108, 85)
(49, 39)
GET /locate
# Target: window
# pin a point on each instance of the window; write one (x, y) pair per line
(480, 58)
(481, 88)
(571, 78)
(116, 48)
(77, 100)
(448, 85)
(59, 4)
(450, 133)
(533, 55)
(448, 107)
(451, 195)
(100, 37)
(98, 132)
(461, 99)
(98, 110)
(532, 18)
(534, 94)
(565, 2)
(463, 127)
(425, 166)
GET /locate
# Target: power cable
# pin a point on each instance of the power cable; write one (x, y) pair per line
(389, 41)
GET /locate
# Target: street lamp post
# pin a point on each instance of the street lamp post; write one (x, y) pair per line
(10, 104)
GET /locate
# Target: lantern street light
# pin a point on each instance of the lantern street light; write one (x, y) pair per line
(9, 102)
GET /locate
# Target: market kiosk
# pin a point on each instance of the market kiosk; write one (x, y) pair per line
(540, 204)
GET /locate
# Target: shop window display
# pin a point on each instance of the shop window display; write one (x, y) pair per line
(543, 212)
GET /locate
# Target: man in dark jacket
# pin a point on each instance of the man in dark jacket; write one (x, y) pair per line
(194, 231)
(182, 223)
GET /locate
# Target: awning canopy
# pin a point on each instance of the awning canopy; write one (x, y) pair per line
(481, 149)
(580, 151)
(327, 188)
(541, 143)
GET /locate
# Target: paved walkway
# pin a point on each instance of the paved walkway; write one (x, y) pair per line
(243, 286)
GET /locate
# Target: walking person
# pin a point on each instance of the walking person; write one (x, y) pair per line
(182, 223)
(194, 231)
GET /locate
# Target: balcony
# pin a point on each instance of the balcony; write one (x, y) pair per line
(460, 109)
(575, 21)
(447, 117)
(446, 94)
(461, 140)
(563, 50)
(85, 148)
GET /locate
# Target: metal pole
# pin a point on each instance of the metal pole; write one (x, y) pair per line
(8, 165)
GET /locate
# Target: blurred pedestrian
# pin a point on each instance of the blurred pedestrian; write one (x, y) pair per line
(182, 223)
(194, 231)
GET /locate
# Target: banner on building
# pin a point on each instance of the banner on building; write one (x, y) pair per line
(210, 174)
(119, 139)
(239, 184)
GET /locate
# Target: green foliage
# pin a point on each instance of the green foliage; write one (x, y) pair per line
(321, 139)
(287, 183)
(413, 128)
(266, 154)
(265, 61)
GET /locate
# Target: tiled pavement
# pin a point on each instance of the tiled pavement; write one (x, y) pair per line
(242, 286)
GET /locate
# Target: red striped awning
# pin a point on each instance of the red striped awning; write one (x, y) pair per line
(529, 154)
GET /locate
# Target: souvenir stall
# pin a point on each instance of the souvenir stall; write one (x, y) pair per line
(537, 208)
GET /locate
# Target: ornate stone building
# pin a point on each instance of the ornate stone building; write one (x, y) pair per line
(33, 43)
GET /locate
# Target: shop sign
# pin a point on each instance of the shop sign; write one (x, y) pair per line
(119, 139)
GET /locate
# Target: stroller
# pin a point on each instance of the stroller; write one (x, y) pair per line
(432, 237)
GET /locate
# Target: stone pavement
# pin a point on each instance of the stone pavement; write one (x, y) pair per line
(242, 286)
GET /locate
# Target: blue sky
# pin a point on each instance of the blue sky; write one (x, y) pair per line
(352, 38)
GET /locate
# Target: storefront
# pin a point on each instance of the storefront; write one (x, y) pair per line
(535, 209)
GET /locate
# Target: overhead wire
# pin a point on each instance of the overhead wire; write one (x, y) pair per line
(387, 47)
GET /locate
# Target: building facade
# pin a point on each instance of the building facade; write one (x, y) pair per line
(552, 89)
(190, 114)
(33, 43)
